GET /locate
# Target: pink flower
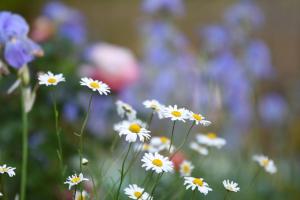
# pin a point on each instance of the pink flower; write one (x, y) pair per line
(111, 64)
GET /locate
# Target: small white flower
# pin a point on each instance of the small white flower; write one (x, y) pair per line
(198, 183)
(231, 186)
(50, 79)
(266, 163)
(9, 170)
(211, 139)
(157, 163)
(198, 119)
(135, 192)
(200, 149)
(186, 168)
(75, 180)
(125, 109)
(78, 195)
(175, 113)
(84, 161)
(155, 106)
(1, 194)
(95, 85)
(145, 147)
(161, 143)
(133, 130)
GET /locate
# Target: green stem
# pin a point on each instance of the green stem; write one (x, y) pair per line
(150, 119)
(156, 184)
(194, 194)
(172, 136)
(225, 196)
(122, 172)
(184, 140)
(24, 146)
(57, 131)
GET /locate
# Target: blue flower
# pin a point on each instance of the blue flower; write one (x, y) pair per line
(12, 26)
(18, 48)
(174, 7)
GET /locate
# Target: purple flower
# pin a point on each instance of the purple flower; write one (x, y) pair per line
(174, 7)
(215, 38)
(12, 26)
(70, 22)
(18, 48)
(273, 108)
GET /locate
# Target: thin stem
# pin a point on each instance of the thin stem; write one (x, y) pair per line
(172, 136)
(184, 140)
(225, 196)
(57, 131)
(194, 194)
(75, 190)
(122, 172)
(24, 146)
(150, 119)
(156, 184)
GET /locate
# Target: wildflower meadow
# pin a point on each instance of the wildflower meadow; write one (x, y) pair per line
(149, 100)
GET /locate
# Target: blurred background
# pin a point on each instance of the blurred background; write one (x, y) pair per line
(235, 61)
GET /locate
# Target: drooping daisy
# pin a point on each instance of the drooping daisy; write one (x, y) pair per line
(81, 196)
(211, 139)
(186, 168)
(133, 130)
(50, 79)
(198, 148)
(135, 192)
(157, 163)
(161, 143)
(198, 183)
(175, 113)
(198, 119)
(155, 106)
(95, 85)
(75, 180)
(125, 109)
(231, 186)
(9, 170)
(266, 163)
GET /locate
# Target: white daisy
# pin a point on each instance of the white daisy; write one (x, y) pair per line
(125, 109)
(9, 170)
(135, 192)
(198, 183)
(175, 113)
(186, 168)
(231, 186)
(75, 180)
(133, 130)
(211, 139)
(266, 163)
(157, 163)
(200, 149)
(50, 79)
(161, 143)
(145, 147)
(155, 106)
(198, 119)
(95, 85)
(78, 195)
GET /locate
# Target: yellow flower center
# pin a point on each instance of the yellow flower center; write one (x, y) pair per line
(157, 162)
(95, 85)
(52, 80)
(198, 181)
(135, 128)
(197, 117)
(81, 197)
(211, 135)
(176, 113)
(186, 169)
(164, 140)
(137, 194)
(75, 179)
(265, 162)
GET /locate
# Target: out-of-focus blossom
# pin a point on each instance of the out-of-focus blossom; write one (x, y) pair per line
(62, 20)
(258, 60)
(174, 7)
(266, 163)
(231, 186)
(215, 38)
(210, 139)
(115, 65)
(198, 148)
(161, 144)
(9, 170)
(273, 108)
(125, 110)
(81, 195)
(18, 48)
(186, 168)
(155, 106)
